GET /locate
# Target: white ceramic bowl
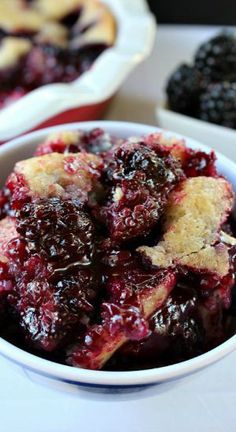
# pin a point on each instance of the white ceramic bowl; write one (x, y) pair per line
(61, 376)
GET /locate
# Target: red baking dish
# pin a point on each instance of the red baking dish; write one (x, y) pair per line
(87, 97)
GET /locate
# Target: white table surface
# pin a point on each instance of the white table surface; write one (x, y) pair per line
(204, 402)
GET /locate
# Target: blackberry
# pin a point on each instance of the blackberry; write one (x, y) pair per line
(140, 181)
(218, 104)
(48, 303)
(179, 318)
(216, 59)
(183, 90)
(62, 229)
(50, 306)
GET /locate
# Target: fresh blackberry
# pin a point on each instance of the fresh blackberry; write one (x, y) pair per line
(218, 104)
(216, 59)
(62, 229)
(183, 90)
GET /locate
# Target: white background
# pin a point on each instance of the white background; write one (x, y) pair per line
(205, 402)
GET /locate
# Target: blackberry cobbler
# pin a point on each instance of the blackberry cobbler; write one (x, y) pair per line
(47, 41)
(117, 254)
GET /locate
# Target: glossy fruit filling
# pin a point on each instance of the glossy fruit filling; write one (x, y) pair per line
(95, 268)
(45, 64)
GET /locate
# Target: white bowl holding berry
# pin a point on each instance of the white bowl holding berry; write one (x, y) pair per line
(200, 95)
(114, 360)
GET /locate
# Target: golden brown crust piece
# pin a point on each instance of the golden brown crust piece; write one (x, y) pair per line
(53, 33)
(193, 219)
(100, 24)
(53, 174)
(57, 10)
(13, 16)
(95, 17)
(12, 49)
(66, 137)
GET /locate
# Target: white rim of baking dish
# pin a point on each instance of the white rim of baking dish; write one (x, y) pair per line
(136, 29)
(105, 378)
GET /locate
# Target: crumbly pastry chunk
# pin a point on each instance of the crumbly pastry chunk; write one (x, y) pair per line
(66, 137)
(57, 175)
(94, 16)
(193, 219)
(12, 49)
(57, 11)
(53, 33)
(13, 17)
(100, 24)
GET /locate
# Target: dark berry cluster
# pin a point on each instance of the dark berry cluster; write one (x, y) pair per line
(218, 104)
(216, 58)
(207, 89)
(62, 229)
(49, 305)
(54, 282)
(139, 181)
(183, 90)
(45, 64)
(48, 275)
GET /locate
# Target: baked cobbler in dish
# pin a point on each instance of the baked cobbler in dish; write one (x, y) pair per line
(47, 41)
(116, 254)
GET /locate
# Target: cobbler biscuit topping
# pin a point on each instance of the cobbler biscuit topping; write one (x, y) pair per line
(193, 218)
(116, 254)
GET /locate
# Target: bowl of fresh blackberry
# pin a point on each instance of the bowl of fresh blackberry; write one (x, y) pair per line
(201, 96)
(117, 256)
